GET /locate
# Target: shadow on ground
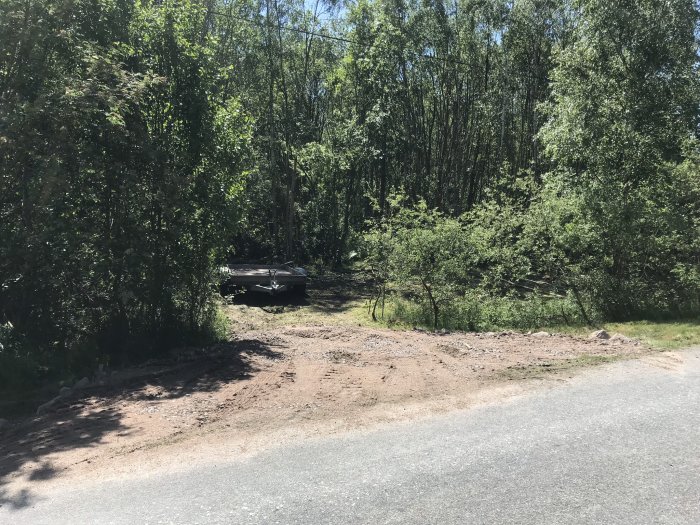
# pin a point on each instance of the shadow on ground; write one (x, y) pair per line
(84, 420)
(204, 370)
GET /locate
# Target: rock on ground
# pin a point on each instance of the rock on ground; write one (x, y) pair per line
(65, 391)
(83, 383)
(619, 338)
(47, 407)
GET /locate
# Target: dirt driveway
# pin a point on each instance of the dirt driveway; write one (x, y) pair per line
(279, 378)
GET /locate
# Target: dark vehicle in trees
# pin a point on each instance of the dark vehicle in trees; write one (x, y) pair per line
(271, 279)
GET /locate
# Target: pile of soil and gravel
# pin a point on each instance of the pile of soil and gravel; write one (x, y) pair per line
(276, 383)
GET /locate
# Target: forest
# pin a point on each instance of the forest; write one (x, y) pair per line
(487, 163)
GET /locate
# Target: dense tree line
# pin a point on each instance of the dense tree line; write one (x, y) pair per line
(528, 141)
(433, 99)
(122, 157)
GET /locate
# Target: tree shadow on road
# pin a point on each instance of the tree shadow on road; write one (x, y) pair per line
(84, 420)
(28, 443)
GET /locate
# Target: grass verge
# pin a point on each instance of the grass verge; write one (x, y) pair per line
(660, 335)
(545, 369)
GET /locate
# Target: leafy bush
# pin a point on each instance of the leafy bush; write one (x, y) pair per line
(549, 259)
(18, 368)
(122, 162)
(483, 312)
(420, 251)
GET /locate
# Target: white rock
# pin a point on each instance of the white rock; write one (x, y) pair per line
(540, 334)
(83, 383)
(65, 391)
(46, 407)
(619, 338)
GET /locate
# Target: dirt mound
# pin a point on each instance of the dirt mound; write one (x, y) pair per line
(284, 381)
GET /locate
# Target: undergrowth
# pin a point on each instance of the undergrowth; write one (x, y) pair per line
(562, 315)
(479, 313)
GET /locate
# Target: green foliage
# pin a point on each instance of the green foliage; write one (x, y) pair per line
(432, 100)
(18, 368)
(480, 311)
(624, 105)
(546, 152)
(526, 262)
(415, 248)
(122, 163)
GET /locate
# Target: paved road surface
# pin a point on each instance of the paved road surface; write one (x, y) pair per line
(615, 445)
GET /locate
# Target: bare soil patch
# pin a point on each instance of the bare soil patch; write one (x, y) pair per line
(275, 382)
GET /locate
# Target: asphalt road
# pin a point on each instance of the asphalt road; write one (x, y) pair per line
(620, 444)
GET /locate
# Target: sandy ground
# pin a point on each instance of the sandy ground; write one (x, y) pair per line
(275, 382)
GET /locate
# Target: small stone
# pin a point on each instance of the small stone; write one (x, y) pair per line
(83, 383)
(540, 334)
(599, 334)
(619, 338)
(65, 391)
(46, 407)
